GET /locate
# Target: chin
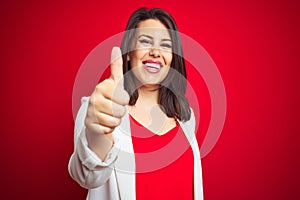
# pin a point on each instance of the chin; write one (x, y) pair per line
(150, 83)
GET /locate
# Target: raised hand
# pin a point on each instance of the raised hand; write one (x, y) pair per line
(106, 107)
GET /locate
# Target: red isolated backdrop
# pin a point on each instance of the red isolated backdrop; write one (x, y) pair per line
(254, 44)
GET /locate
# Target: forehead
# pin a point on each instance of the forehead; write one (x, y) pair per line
(153, 28)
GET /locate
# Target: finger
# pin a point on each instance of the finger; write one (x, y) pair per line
(119, 96)
(107, 120)
(110, 108)
(108, 89)
(116, 65)
(97, 128)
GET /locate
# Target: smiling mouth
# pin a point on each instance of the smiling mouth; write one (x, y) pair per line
(152, 67)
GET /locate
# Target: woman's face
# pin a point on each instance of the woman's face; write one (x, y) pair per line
(152, 54)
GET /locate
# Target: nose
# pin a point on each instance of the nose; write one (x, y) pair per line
(155, 52)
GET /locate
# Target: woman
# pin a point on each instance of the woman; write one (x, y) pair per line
(139, 110)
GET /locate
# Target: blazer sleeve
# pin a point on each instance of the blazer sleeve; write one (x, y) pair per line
(85, 167)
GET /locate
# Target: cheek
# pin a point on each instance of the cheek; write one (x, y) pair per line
(168, 59)
(137, 56)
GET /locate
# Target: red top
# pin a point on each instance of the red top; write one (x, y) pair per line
(164, 164)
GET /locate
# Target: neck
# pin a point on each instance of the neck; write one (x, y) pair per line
(148, 113)
(148, 96)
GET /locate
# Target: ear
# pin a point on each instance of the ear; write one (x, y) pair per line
(128, 57)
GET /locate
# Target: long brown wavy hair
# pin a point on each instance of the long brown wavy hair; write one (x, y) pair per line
(171, 98)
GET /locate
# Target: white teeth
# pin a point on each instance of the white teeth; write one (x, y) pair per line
(153, 65)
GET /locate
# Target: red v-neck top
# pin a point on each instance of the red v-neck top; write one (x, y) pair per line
(164, 164)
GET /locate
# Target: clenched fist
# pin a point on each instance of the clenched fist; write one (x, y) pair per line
(106, 107)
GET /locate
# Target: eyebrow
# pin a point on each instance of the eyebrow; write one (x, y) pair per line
(150, 37)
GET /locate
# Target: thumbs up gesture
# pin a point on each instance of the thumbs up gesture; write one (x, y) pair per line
(106, 106)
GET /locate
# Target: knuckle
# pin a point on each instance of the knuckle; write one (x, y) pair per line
(106, 130)
(99, 87)
(105, 88)
(121, 97)
(102, 85)
(99, 118)
(92, 100)
(116, 121)
(122, 111)
(97, 104)
(100, 103)
(107, 121)
(125, 97)
(91, 112)
(118, 110)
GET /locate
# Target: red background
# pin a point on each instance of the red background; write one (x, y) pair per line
(255, 46)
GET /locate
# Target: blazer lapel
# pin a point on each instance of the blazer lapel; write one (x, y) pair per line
(189, 131)
(125, 164)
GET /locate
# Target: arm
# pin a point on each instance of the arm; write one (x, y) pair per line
(95, 148)
(85, 167)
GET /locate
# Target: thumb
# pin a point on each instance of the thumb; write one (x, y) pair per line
(116, 65)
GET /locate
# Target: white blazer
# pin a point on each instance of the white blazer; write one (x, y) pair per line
(114, 178)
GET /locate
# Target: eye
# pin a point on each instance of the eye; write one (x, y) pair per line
(166, 45)
(145, 42)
